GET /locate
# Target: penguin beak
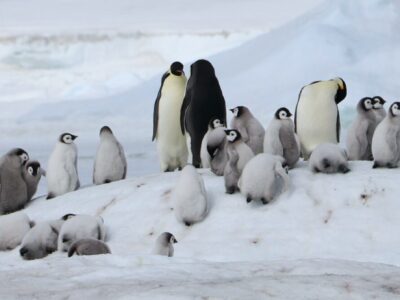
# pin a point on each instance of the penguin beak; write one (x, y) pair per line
(74, 137)
(290, 114)
(180, 72)
(231, 110)
(175, 241)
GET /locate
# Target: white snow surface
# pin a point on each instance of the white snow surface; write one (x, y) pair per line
(79, 66)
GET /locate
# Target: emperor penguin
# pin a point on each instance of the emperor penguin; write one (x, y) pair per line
(359, 135)
(13, 189)
(204, 154)
(317, 117)
(264, 178)
(164, 244)
(32, 175)
(88, 247)
(239, 154)
(62, 168)
(40, 240)
(13, 228)
(250, 128)
(203, 101)
(280, 138)
(379, 110)
(190, 197)
(329, 158)
(386, 139)
(171, 142)
(80, 227)
(215, 145)
(110, 162)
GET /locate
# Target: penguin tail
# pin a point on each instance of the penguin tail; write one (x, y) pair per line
(50, 196)
(72, 250)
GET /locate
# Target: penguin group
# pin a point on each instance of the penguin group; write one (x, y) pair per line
(191, 131)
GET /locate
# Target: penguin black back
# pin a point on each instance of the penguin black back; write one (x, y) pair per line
(203, 101)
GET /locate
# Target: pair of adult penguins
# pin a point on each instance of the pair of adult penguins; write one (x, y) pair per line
(182, 108)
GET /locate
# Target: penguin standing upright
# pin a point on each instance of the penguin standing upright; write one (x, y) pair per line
(317, 117)
(359, 135)
(13, 189)
(386, 139)
(171, 142)
(164, 244)
(32, 175)
(110, 162)
(62, 171)
(213, 137)
(239, 154)
(203, 101)
(280, 138)
(250, 128)
(379, 110)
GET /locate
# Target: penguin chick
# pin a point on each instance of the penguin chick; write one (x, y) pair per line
(264, 178)
(88, 247)
(13, 228)
(190, 197)
(239, 155)
(213, 141)
(386, 139)
(379, 110)
(13, 190)
(329, 158)
(359, 135)
(32, 175)
(280, 138)
(41, 240)
(171, 142)
(80, 227)
(62, 171)
(164, 244)
(110, 162)
(250, 128)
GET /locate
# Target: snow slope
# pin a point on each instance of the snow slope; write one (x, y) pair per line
(306, 238)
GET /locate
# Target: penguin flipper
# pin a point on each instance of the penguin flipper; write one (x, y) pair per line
(156, 105)
(185, 104)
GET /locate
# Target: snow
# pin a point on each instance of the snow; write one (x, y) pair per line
(79, 66)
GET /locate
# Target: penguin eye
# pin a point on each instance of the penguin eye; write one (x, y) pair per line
(282, 115)
(30, 170)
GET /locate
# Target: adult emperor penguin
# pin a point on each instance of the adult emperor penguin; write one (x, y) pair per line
(328, 158)
(239, 154)
(110, 162)
(171, 142)
(215, 139)
(317, 117)
(386, 140)
(32, 175)
(164, 244)
(250, 128)
(190, 197)
(379, 110)
(359, 135)
(62, 168)
(13, 190)
(88, 247)
(280, 138)
(263, 178)
(203, 101)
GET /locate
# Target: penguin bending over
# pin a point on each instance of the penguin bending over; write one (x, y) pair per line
(62, 169)
(13, 228)
(280, 138)
(359, 135)
(250, 128)
(239, 154)
(164, 244)
(263, 178)
(213, 139)
(203, 101)
(386, 140)
(171, 142)
(329, 158)
(317, 117)
(13, 189)
(110, 162)
(190, 197)
(88, 247)
(379, 110)
(32, 175)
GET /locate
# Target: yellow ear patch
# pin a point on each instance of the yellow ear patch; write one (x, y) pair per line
(339, 81)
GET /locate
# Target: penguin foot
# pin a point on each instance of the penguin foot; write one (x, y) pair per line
(248, 199)
(230, 190)
(344, 169)
(326, 163)
(264, 201)
(107, 181)
(188, 223)
(50, 196)
(391, 165)
(377, 165)
(316, 170)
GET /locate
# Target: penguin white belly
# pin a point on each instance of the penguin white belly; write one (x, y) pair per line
(245, 154)
(272, 143)
(316, 117)
(109, 163)
(381, 151)
(61, 174)
(171, 143)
